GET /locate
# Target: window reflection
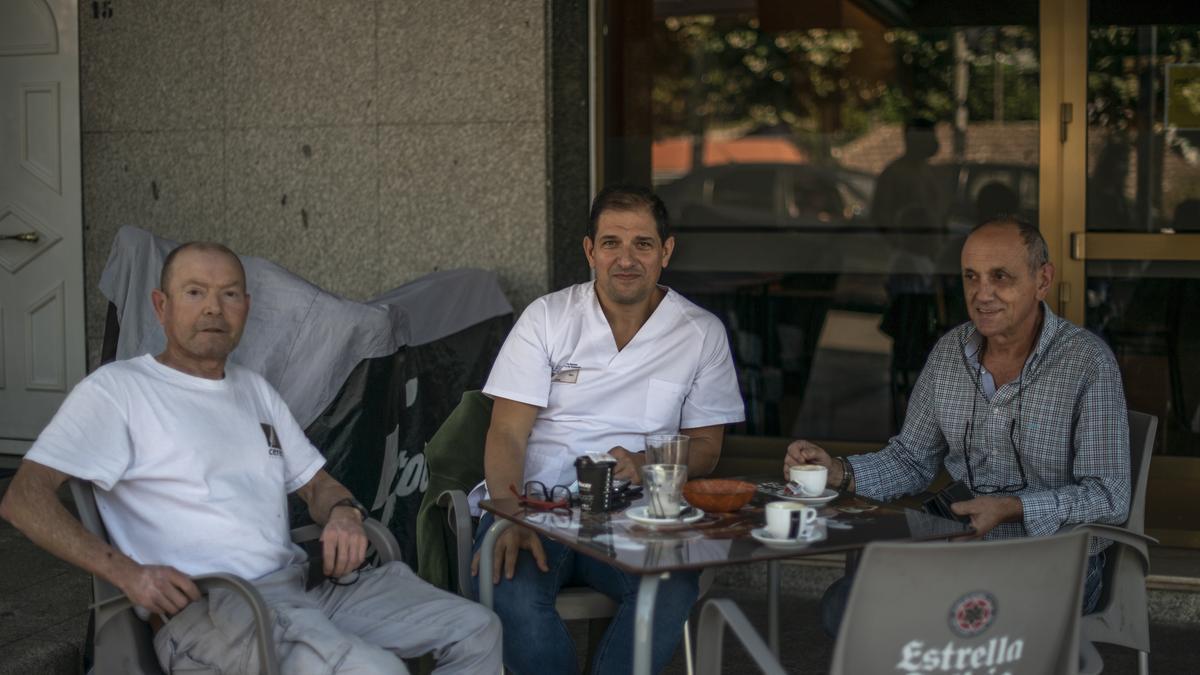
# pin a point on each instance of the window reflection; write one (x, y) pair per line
(1144, 165)
(822, 164)
(1144, 176)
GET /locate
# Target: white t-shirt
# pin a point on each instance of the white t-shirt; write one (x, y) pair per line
(676, 373)
(184, 470)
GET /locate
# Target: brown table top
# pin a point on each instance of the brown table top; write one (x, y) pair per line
(851, 522)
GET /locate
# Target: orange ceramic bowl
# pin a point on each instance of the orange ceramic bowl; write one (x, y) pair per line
(717, 495)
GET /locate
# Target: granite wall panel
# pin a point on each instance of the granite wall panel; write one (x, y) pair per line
(167, 182)
(307, 198)
(470, 195)
(359, 143)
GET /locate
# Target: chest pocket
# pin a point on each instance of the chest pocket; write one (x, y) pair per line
(664, 403)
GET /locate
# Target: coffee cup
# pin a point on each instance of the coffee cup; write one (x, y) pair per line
(810, 479)
(790, 520)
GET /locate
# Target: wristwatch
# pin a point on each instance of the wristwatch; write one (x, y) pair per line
(352, 503)
(847, 474)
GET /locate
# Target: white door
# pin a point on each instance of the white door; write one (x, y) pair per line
(42, 349)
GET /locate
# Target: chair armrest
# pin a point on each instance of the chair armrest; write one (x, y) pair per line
(262, 617)
(113, 605)
(1138, 542)
(383, 540)
(714, 616)
(306, 533)
(1090, 662)
(380, 537)
(458, 517)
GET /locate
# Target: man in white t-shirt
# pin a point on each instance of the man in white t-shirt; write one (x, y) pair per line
(594, 368)
(192, 459)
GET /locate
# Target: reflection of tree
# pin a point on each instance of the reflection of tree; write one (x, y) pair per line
(827, 86)
(1126, 81)
(714, 73)
(1119, 55)
(1002, 81)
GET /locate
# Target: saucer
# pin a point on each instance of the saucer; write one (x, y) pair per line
(640, 514)
(780, 490)
(762, 536)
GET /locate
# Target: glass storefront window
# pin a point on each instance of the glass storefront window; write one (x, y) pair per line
(1144, 176)
(822, 164)
(1143, 161)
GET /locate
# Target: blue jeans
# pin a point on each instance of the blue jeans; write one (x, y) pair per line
(536, 639)
(833, 602)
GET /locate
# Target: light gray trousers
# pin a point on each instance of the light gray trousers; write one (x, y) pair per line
(365, 627)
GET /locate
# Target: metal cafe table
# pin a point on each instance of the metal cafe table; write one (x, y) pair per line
(849, 521)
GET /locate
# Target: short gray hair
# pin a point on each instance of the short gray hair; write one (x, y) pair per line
(164, 278)
(1035, 244)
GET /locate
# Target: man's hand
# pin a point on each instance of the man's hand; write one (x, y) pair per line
(508, 547)
(629, 464)
(158, 588)
(804, 452)
(344, 542)
(988, 512)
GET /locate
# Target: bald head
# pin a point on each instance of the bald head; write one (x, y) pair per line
(164, 279)
(1035, 245)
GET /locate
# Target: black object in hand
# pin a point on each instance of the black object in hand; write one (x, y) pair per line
(939, 503)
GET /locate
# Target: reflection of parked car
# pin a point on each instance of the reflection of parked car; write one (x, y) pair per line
(769, 195)
(967, 179)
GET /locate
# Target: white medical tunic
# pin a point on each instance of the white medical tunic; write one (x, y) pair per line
(676, 373)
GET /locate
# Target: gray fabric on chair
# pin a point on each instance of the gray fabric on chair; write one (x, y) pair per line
(454, 457)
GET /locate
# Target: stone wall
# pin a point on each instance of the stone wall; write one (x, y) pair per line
(358, 143)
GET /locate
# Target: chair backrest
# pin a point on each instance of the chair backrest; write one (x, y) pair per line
(955, 607)
(1121, 615)
(1142, 430)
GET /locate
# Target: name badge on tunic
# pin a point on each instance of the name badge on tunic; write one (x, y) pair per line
(568, 373)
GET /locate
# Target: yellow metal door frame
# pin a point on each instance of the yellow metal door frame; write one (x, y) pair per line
(1062, 213)
(1062, 178)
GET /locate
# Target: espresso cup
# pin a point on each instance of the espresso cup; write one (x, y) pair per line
(810, 477)
(790, 520)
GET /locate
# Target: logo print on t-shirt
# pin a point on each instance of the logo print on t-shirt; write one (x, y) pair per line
(273, 447)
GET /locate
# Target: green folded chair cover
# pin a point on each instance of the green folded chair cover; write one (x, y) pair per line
(454, 457)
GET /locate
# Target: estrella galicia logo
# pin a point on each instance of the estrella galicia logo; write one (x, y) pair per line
(273, 447)
(973, 613)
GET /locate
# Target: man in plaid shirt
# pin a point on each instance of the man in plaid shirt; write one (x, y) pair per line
(1022, 406)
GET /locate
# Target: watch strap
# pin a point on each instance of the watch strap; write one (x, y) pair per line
(352, 503)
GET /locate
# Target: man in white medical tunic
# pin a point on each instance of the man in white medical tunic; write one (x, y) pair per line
(593, 368)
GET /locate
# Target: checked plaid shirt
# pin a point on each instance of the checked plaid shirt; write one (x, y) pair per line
(1072, 431)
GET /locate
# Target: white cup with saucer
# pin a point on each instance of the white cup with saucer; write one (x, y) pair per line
(809, 479)
(791, 521)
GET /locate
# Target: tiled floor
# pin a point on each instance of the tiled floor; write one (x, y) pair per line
(43, 607)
